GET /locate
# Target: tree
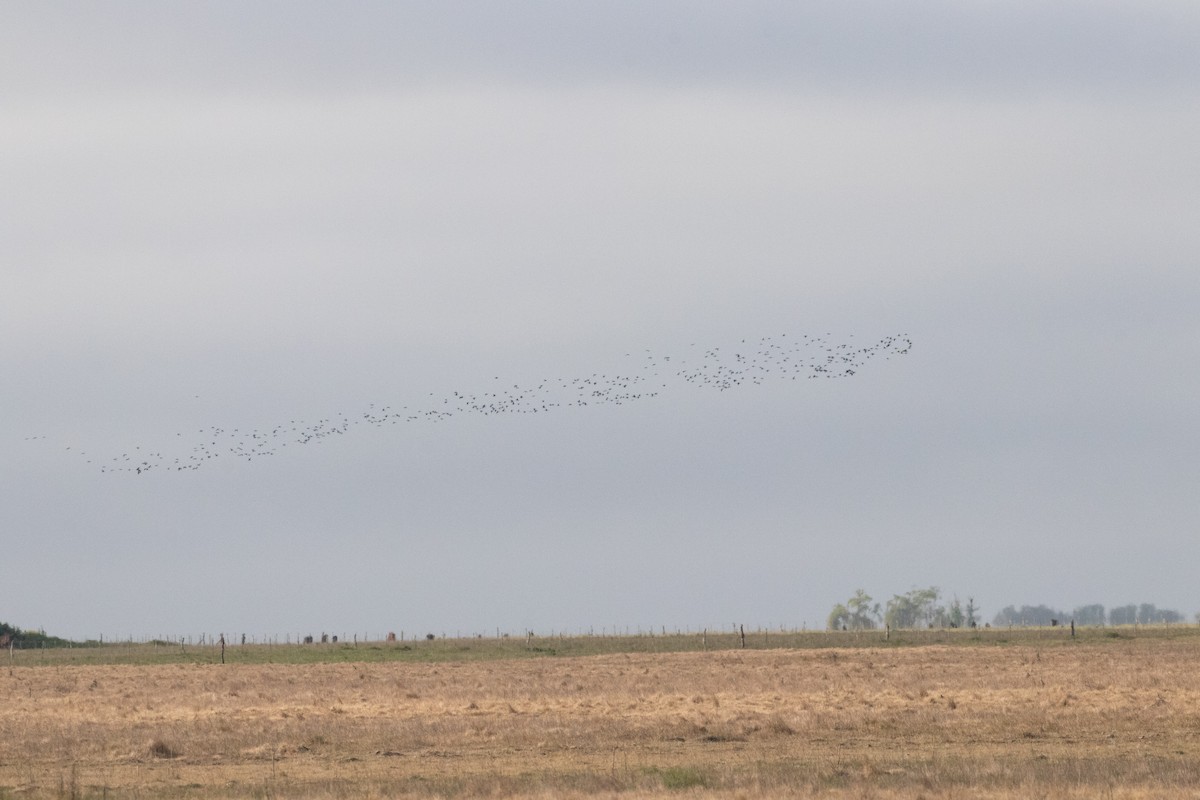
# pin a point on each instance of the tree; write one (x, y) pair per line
(839, 618)
(1092, 614)
(30, 638)
(1149, 613)
(972, 611)
(863, 615)
(957, 617)
(1028, 615)
(902, 612)
(1123, 615)
(915, 608)
(1006, 616)
(857, 614)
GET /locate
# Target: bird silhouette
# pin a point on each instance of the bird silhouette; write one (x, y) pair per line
(753, 362)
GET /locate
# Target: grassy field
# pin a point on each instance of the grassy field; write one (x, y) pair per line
(1007, 714)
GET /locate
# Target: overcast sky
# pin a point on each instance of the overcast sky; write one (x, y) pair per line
(285, 218)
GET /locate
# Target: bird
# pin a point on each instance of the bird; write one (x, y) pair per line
(752, 362)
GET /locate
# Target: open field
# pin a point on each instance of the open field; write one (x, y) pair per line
(1006, 715)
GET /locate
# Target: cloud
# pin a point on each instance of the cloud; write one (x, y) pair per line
(232, 215)
(227, 47)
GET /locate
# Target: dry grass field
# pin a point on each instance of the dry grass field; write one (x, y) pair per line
(1098, 717)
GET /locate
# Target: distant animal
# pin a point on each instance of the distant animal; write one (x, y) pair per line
(772, 357)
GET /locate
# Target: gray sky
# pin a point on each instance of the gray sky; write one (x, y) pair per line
(238, 216)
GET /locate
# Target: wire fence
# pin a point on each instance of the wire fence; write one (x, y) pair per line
(301, 647)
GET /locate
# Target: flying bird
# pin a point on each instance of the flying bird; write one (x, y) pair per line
(756, 362)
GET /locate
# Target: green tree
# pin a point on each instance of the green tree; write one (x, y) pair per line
(864, 616)
(956, 616)
(972, 613)
(916, 608)
(856, 614)
(839, 618)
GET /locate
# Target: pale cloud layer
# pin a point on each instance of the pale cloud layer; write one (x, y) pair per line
(1019, 47)
(230, 215)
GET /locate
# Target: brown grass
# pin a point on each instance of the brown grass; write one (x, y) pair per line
(1115, 719)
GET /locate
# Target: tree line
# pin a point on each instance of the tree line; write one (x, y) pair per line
(919, 608)
(1092, 614)
(25, 638)
(922, 608)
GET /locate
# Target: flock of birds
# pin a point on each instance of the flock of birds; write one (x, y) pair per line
(750, 362)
